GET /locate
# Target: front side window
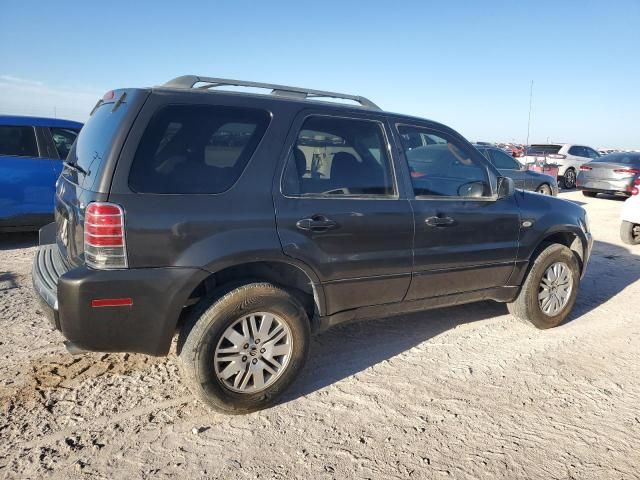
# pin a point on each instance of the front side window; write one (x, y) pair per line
(18, 141)
(337, 157)
(196, 149)
(63, 139)
(503, 161)
(442, 166)
(578, 151)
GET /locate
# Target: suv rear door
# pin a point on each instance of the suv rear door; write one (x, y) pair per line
(340, 210)
(95, 152)
(465, 239)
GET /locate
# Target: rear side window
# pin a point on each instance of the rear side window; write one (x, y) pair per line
(18, 141)
(63, 139)
(196, 149)
(339, 156)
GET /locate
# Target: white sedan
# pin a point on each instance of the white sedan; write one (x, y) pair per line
(630, 227)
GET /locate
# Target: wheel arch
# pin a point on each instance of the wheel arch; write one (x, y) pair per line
(571, 239)
(298, 279)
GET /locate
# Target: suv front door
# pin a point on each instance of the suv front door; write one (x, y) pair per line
(465, 239)
(340, 211)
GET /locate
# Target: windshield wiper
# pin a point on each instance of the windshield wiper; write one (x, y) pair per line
(76, 167)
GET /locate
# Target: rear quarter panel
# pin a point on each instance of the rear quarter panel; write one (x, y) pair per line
(199, 230)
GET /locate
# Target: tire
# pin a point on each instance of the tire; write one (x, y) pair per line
(544, 189)
(205, 339)
(630, 233)
(588, 193)
(527, 305)
(569, 179)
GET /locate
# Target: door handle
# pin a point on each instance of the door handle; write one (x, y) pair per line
(439, 221)
(316, 223)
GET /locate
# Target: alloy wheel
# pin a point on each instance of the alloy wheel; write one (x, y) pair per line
(555, 289)
(253, 352)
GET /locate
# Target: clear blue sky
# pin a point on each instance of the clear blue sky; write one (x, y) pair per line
(467, 64)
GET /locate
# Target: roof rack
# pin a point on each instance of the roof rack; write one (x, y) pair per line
(189, 81)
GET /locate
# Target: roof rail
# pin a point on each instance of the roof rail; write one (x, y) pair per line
(189, 81)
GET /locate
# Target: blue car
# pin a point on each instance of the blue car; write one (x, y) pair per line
(31, 154)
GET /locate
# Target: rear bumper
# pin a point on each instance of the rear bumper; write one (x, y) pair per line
(604, 185)
(147, 326)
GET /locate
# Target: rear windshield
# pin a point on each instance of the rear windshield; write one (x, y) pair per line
(93, 143)
(623, 158)
(542, 149)
(196, 149)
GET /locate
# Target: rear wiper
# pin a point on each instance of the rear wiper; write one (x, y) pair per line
(76, 167)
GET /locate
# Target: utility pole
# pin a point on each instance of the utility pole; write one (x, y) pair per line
(530, 103)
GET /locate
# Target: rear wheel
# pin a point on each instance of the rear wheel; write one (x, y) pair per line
(240, 352)
(587, 193)
(569, 178)
(544, 189)
(549, 291)
(630, 233)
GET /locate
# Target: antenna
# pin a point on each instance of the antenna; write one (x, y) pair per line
(530, 103)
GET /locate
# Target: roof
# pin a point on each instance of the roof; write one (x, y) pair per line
(38, 121)
(189, 82)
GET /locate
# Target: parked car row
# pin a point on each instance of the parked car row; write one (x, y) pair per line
(31, 154)
(521, 175)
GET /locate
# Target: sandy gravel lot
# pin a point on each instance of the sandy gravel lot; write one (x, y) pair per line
(462, 393)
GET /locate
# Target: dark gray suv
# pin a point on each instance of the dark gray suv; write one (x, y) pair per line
(244, 222)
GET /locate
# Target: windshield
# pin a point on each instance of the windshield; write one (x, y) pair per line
(93, 142)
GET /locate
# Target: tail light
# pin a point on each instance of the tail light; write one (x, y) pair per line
(585, 168)
(104, 242)
(631, 171)
(635, 188)
(556, 155)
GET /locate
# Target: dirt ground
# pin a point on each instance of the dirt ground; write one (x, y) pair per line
(462, 393)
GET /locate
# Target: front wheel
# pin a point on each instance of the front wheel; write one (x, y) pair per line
(569, 179)
(549, 291)
(544, 189)
(630, 233)
(241, 352)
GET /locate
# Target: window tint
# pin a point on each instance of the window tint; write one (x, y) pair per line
(63, 138)
(504, 161)
(623, 158)
(591, 153)
(443, 166)
(578, 151)
(542, 149)
(94, 143)
(196, 149)
(339, 156)
(18, 141)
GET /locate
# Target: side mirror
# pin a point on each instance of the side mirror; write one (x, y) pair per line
(506, 187)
